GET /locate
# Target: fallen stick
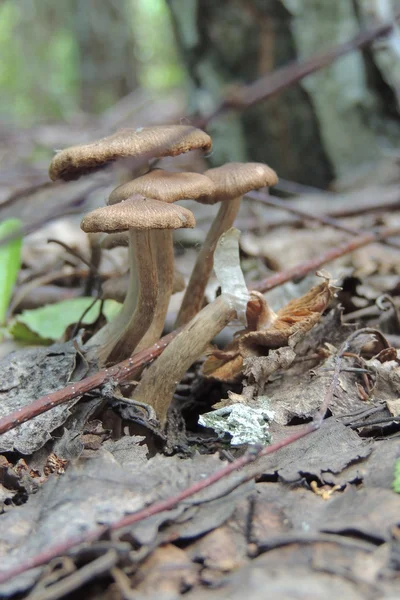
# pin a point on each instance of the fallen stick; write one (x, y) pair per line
(265, 198)
(118, 373)
(126, 370)
(301, 270)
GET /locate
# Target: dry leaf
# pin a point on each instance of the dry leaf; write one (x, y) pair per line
(268, 330)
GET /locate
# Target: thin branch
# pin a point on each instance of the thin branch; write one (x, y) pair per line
(75, 253)
(323, 219)
(156, 508)
(123, 371)
(342, 213)
(301, 270)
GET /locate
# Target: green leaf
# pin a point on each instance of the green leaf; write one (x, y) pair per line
(47, 324)
(396, 480)
(10, 263)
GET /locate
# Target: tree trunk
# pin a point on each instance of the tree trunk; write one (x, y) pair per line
(328, 126)
(106, 51)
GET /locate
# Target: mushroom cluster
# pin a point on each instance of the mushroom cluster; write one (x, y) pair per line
(142, 214)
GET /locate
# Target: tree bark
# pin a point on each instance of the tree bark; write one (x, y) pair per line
(324, 128)
(106, 51)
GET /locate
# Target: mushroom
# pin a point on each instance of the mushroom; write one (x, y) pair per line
(144, 143)
(231, 182)
(139, 216)
(167, 187)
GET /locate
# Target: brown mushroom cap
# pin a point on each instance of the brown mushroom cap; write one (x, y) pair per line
(139, 213)
(165, 186)
(150, 142)
(232, 180)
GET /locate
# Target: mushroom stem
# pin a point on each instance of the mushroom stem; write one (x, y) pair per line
(193, 298)
(158, 384)
(117, 340)
(138, 321)
(164, 250)
(99, 345)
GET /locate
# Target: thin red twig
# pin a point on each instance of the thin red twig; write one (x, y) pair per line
(121, 372)
(158, 507)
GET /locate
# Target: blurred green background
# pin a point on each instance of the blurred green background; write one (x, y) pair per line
(60, 58)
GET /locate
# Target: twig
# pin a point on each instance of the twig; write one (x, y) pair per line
(73, 252)
(71, 206)
(342, 213)
(324, 220)
(301, 270)
(96, 568)
(293, 188)
(156, 508)
(119, 373)
(30, 190)
(26, 288)
(357, 425)
(169, 503)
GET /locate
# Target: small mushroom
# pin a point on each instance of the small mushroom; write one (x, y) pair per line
(166, 187)
(139, 216)
(231, 182)
(144, 143)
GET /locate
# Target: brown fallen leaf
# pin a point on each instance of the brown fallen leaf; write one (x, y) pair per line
(267, 330)
(168, 570)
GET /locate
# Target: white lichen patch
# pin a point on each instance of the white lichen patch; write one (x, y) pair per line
(246, 424)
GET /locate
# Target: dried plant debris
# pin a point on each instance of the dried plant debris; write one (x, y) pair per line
(322, 456)
(285, 577)
(29, 374)
(300, 396)
(296, 381)
(151, 576)
(99, 491)
(386, 369)
(267, 330)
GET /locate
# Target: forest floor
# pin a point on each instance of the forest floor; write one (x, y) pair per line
(92, 506)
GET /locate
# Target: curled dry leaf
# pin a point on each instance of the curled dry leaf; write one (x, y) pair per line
(268, 330)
